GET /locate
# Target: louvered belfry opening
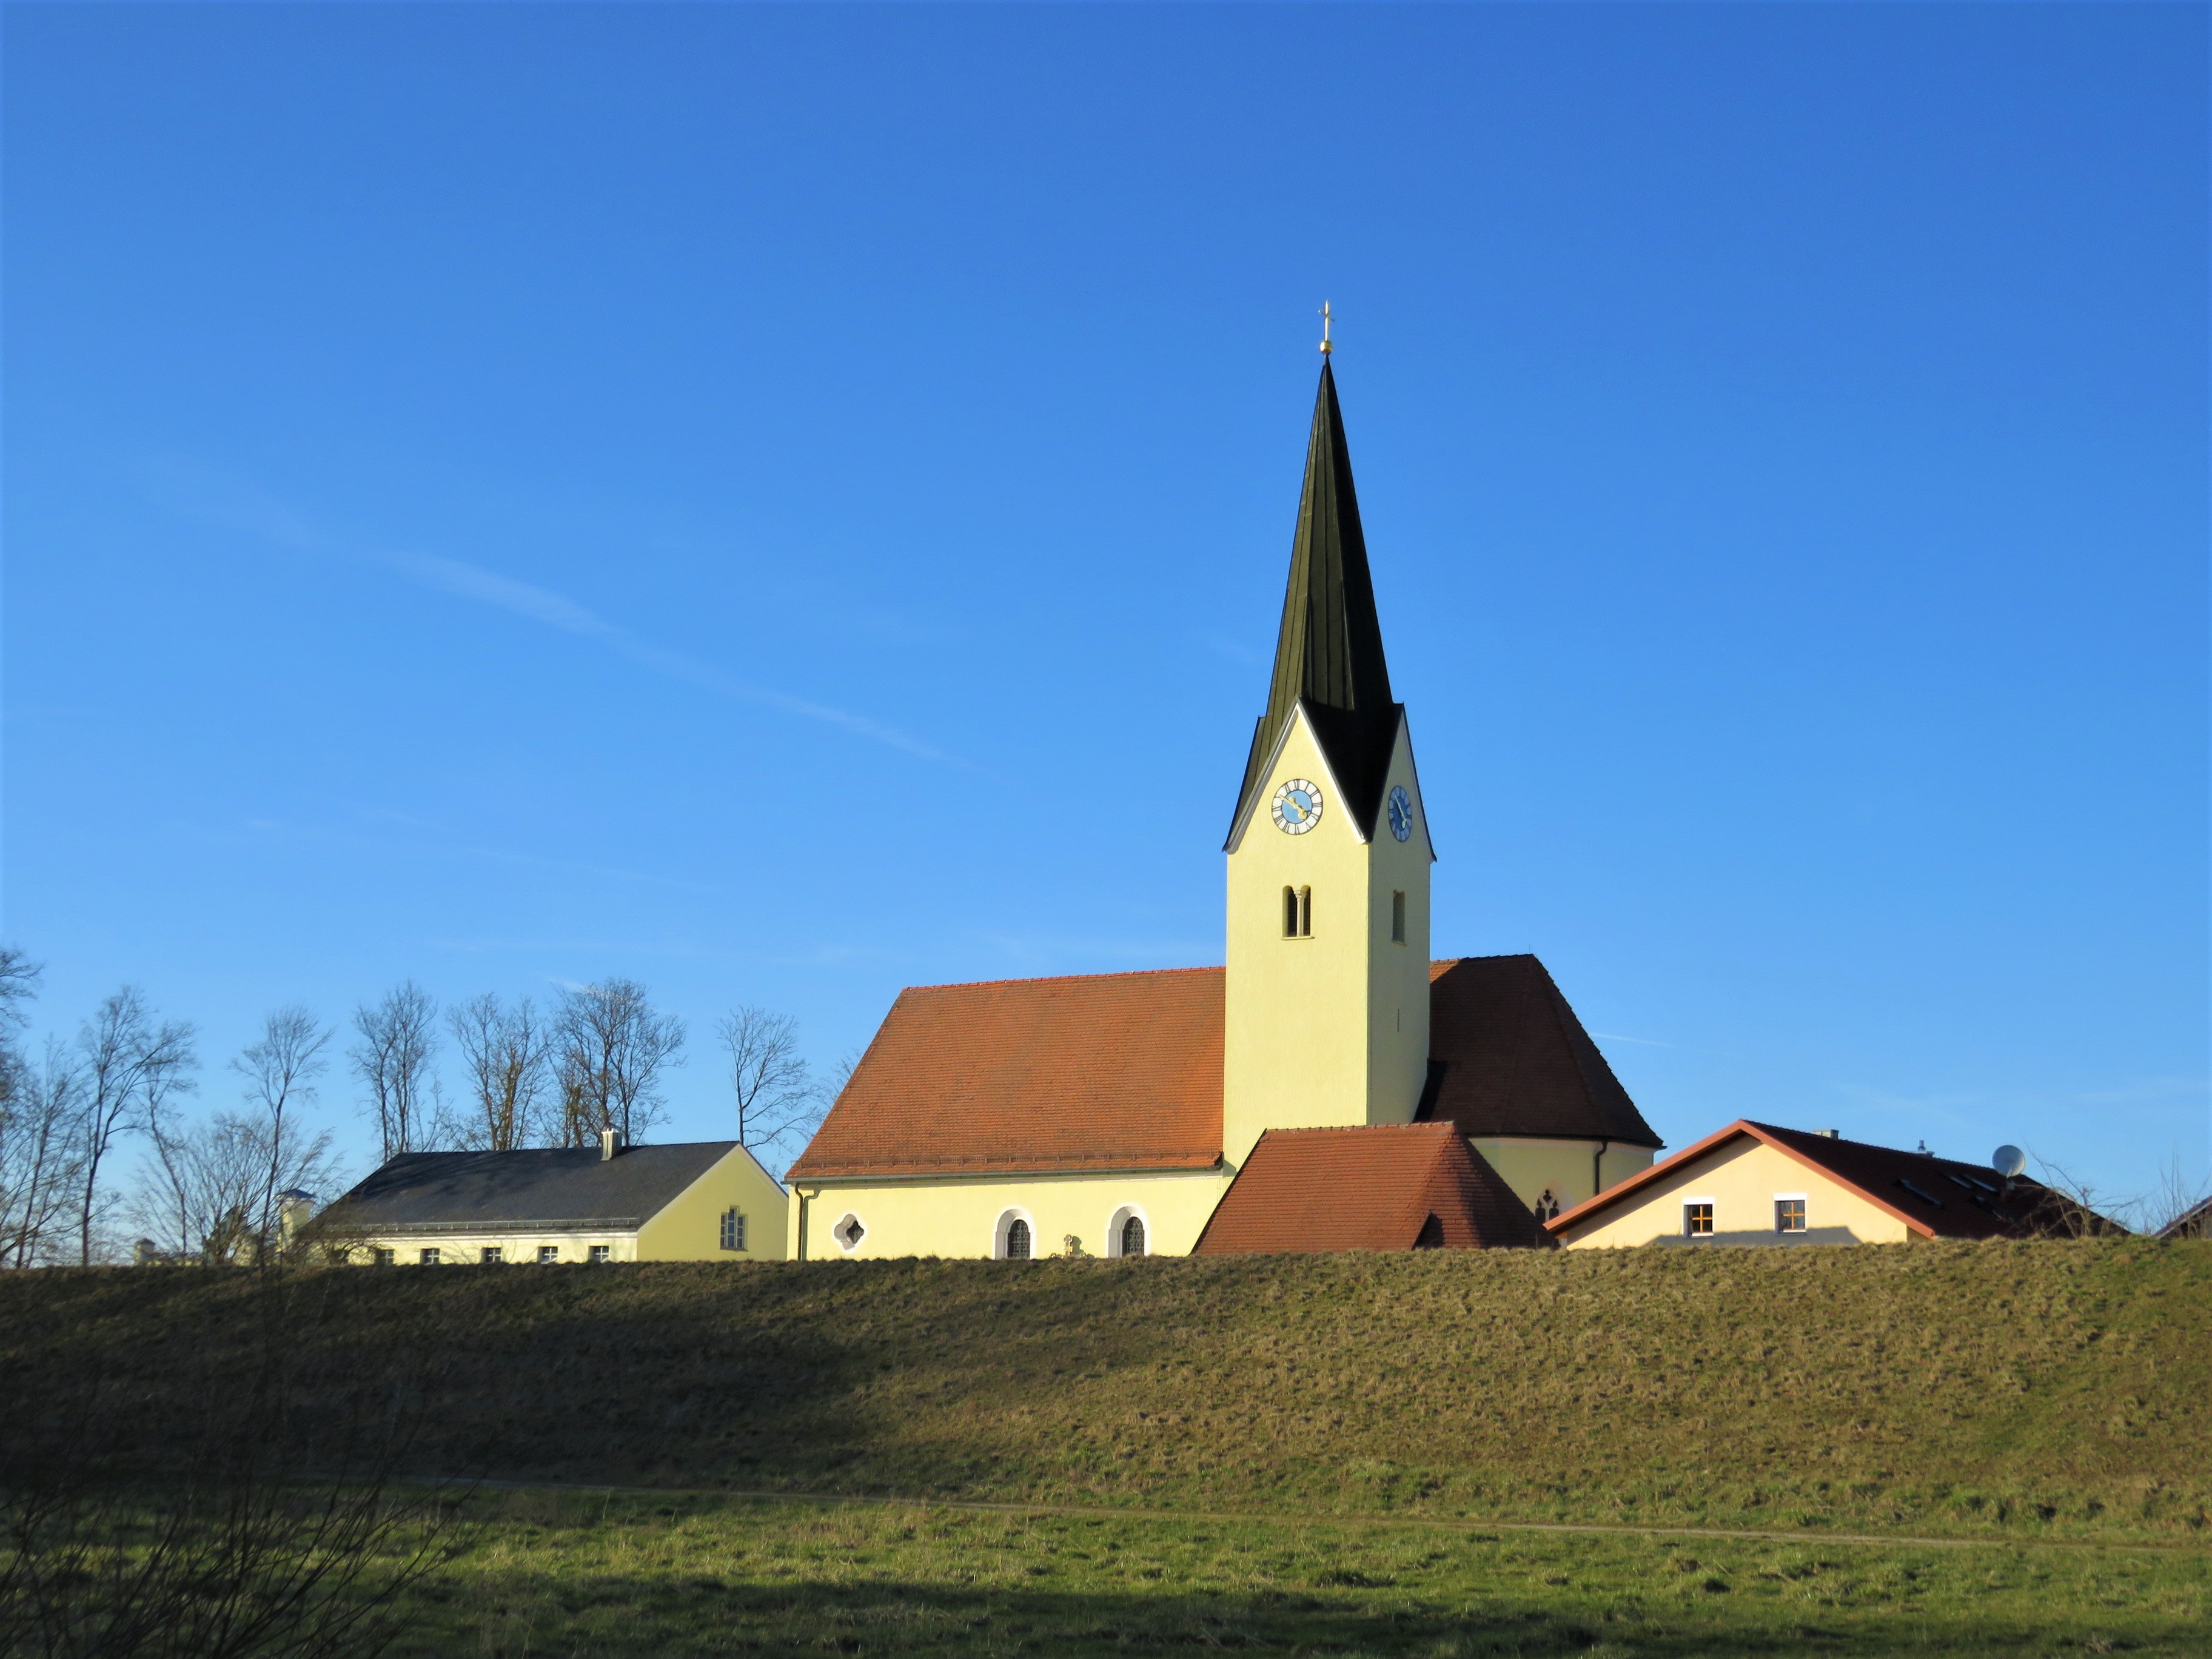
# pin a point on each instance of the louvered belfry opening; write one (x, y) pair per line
(1329, 653)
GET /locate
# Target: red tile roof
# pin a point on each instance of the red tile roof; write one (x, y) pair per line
(1389, 1187)
(1933, 1197)
(1123, 1071)
(1098, 1072)
(1514, 1061)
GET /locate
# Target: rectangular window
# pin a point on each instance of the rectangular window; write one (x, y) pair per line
(603, 1252)
(1397, 918)
(1305, 913)
(493, 1255)
(549, 1254)
(1697, 1220)
(1788, 1215)
(385, 1258)
(733, 1230)
(429, 1256)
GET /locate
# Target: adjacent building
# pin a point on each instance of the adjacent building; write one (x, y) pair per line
(1756, 1183)
(707, 1201)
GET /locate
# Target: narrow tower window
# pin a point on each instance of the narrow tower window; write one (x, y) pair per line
(1397, 918)
(1297, 913)
(1305, 913)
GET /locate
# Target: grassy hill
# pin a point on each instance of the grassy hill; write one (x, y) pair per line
(2014, 1390)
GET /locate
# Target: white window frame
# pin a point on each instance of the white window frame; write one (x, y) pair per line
(1113, 1228)
(545, 1260)
(1806, 1199)
(1693, 1198)
(837, 1233)
(724, 1230)
(1006, 1219)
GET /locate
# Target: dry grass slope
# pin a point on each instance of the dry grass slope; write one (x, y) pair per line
(2020, 1390)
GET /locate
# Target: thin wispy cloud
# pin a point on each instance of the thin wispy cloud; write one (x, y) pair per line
(1644, 1042)
(276, 522)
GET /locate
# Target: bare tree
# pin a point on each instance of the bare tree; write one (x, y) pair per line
(124, 1053)
(610, 1048)
(777, 1096)
(42, 1138)
(398, 1039)
(505, 1051)
(215, 1197)
(280, 1072)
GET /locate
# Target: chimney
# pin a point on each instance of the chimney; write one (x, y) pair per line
(610, 1144)
(1829, 1135)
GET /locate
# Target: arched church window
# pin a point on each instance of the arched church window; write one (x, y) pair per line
(1132, 1235)
(1547, 1206)
(1018, 1240)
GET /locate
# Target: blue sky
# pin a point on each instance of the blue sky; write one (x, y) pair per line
(783, 504)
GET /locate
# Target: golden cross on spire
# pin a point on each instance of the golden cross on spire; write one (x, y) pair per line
(1326, 348)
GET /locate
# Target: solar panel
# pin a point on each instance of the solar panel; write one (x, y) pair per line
(1924, 1197)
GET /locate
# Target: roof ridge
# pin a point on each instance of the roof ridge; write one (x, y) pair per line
(1439, 1127)
(1054, 979)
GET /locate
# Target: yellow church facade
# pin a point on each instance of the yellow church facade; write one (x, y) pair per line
(1332, 1086)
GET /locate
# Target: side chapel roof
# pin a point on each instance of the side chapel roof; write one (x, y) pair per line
(1391, 1187)
(1933, 1197)
(565, 1185)
(1329, 653)
(1123, 1071)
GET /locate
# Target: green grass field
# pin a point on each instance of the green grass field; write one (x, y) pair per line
(2050, 1405)
(632, 1575)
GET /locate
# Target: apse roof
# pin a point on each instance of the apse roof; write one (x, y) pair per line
(1508, 1057)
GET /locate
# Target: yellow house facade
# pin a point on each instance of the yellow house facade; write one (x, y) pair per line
(1761, 1184)
(1111, 1114)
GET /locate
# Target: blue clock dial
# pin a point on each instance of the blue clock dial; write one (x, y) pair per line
(1401, 813)
(1297, 807)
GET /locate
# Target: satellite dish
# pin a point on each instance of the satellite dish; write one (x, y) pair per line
(2008, 1161)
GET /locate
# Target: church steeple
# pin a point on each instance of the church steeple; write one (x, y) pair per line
(1329, 653)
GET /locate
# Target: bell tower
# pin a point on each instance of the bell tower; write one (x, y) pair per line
(1327, 996)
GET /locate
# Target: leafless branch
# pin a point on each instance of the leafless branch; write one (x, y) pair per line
(505, 1051)
(398, 1040)
(610, 1048)
(777, 1097)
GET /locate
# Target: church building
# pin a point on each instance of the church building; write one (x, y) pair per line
(1333, 1087)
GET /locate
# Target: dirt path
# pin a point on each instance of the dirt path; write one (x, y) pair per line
(1438, 1524)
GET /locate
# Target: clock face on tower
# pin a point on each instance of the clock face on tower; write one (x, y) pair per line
(1401, 812)
(1297, 807)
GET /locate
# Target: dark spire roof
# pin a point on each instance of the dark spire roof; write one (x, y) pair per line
(1330, 652)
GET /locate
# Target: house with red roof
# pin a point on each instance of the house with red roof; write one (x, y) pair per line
(1333, 1087)
(1758, 1183)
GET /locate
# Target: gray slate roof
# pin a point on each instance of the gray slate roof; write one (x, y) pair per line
(564, 1188)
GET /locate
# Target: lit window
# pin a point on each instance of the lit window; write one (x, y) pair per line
(549, 1254)
(733, 1230)
(1018, 1240)
(1397, 918)
(1788, 1215)
(1132, 1235)
(385, 1258)
(1697, 1220)
(493, 1255)
(603, 1252)
(1547, 1204)
(429, 1256)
